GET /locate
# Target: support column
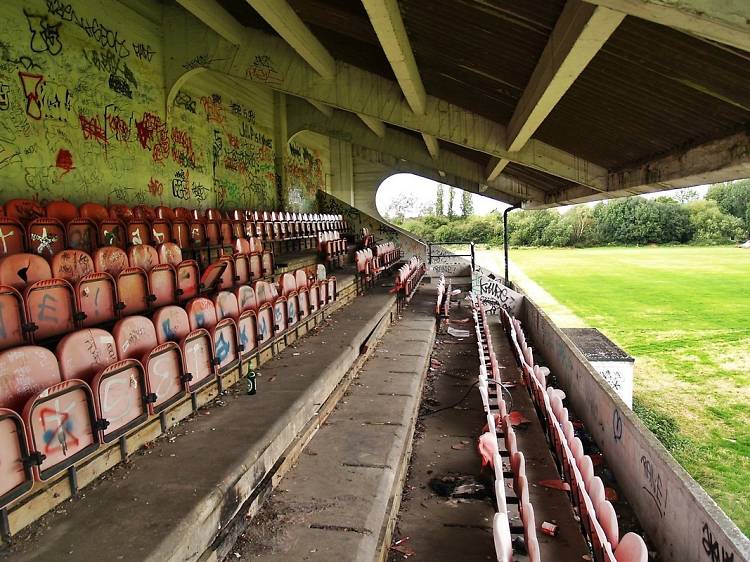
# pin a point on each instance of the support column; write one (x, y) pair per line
(280, 147)
(342, 171)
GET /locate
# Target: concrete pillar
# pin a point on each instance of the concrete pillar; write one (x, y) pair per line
(342, 171)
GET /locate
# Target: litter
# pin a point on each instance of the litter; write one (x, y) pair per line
(458, 333)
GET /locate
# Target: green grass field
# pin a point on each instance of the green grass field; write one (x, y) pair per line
(684, 314)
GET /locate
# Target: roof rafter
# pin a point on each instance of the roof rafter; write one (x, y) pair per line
(433, 147)
(217, 18)
(389, 27)
(375, 125)
(285, 21)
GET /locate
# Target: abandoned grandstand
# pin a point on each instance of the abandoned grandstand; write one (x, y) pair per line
(211, 344)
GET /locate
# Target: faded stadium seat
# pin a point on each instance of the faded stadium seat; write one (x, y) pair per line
(162, 280)
(247, 321)
(46, 236)
(51, 309)
(631, 549)
(96, 297)
(119, 387)
(197, 345)
(21, 270)
(64, 211)
(24, 372)
(112, 233)
(111, 260)
(202, 314)
(212, 276)
(24, 210)
(144, 212)
(288, 286)
(607, 517)
(93, 211)
(161, 231)
(138, 232)
(12, 318)
(12, 237)
(61, 425)
(82, 235)
(120, 212)
(16, 477)
(187, 274)
(265, 324)
(303, 295)
(71, 265)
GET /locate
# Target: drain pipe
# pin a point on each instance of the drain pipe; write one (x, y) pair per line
(505, 237)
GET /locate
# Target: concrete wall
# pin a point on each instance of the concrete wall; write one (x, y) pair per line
(684, 523)
(84, 117)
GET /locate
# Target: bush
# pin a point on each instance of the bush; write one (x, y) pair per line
(711, 226)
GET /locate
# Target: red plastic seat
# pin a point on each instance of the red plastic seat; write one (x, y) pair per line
(288, 284)
(161, 231)
(96, 297)
(631, 549)
(12, 237)
(16, 477)
(144, 212)
(111, 259)
(82, 235)
(20, 270)
(138, 231)
(169, 253)
(64, 211)
(50, 308)
(143, 256)
(119, 387)
(112, 233)
(164, 213)
(607, 517)
(120, 212)
(24, 372)
(136, 337)
(12, 318)
(61, 425)
(182, 213)
(93, 211)
(181, 233)
(247, 320)
(227, 305)
(71, 265)
(228, 277)
(202, 314)
(134, 291)
(256, 266)
(212, 276)
(242, 246)
(46, 236)
(23, 210)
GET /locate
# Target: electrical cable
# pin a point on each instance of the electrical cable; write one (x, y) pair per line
(464, 397)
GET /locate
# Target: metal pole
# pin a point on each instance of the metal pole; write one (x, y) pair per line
(505, 237)
(472, 255)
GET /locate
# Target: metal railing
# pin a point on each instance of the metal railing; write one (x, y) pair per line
(437, 253)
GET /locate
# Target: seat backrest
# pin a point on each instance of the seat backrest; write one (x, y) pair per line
(246, 298)
(134, 337)
(144, 212)
(50, 305)
(143, 256)
(242, 246)
(631, 549)
(96, 295)
(82, 235)
(138, 232)
(84, 353)
(171, 324)
(25, 371)
(288, 284)
(170, 253)
(72, 265)
(93, 211)
(46, 236)
(20, 270)
(161, 231)
(226, 305)
(201, 313)
(23, 210)
(12, 237)
(110, 259)
(120, 212)
(263, 292)
(16, 478)
(607, 517)
(165, 213)
(300, 277)
(182, 213)
(12, 317)
(321, 272)
(63, 211)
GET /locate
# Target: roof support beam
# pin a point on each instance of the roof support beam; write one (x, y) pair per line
(432, 145)
(217, 18)
(580, 32)
(723, 21)
(285, 21)
(323, 108)
(375, 125)
(389, 27)
(495, 167)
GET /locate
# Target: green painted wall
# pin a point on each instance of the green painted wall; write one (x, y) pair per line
(83, 117)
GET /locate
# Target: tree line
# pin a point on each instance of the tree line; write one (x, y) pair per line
(722, 217)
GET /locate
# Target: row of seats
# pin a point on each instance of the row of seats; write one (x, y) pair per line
(27, 226)
(57, 408)
(490, 391)
(372, 262)
(408, 277)
(41, 299)
(587, 490)
(443, 302)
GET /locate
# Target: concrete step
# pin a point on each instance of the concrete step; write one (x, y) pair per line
(172, 500)
(339, 501)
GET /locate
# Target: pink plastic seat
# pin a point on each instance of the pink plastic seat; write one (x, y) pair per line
(111, 260)
(24, 210)
(61, 426)
(202, 314)
(16, 477)
(12, 318)
(596, 491)
(242, 270)
(138, 232)
(586, 467)
(96, 297)
(120, 212)
(51, 308)
(24, 372)
(21, 270)
(169, 253)
(136, 338)
(161, 231)
(94, 211)
(134, 291)
(631, 549)
(607, 517)
(71, 265)
(143, 256)
(82, 235)
(64, 211)
(212, 276)
(119, 387)
(12, 237)
(226, 305)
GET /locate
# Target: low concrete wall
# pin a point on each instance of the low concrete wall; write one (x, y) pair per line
(683, 522)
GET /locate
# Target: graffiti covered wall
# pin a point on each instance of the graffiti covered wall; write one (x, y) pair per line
(83, 117)
(308, 169)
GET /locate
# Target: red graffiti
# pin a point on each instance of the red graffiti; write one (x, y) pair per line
(64, 160)
(182, 148)
(33, 87)
(153, 136)
(118, 127)
(213, 107)
(57, 433)
(155, 187)
(92, 129)
(234, 142)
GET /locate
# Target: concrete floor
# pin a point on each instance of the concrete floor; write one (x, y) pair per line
(439, 529)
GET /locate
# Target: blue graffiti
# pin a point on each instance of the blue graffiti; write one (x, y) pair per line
(244, 340)
(169, 333)
(222, 348)
(262, 328)
(200, 319)
(292, 315)
(277, 314)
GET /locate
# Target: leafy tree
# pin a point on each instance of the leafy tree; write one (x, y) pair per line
(467, 204)
(451, 198)
(439, 212)
(400, 207)
(710, 225)
(733, 198)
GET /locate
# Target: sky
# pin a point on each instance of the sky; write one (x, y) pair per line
(424, 191)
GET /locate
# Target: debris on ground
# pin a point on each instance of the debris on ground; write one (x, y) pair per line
(459, 486)
(458, 333)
